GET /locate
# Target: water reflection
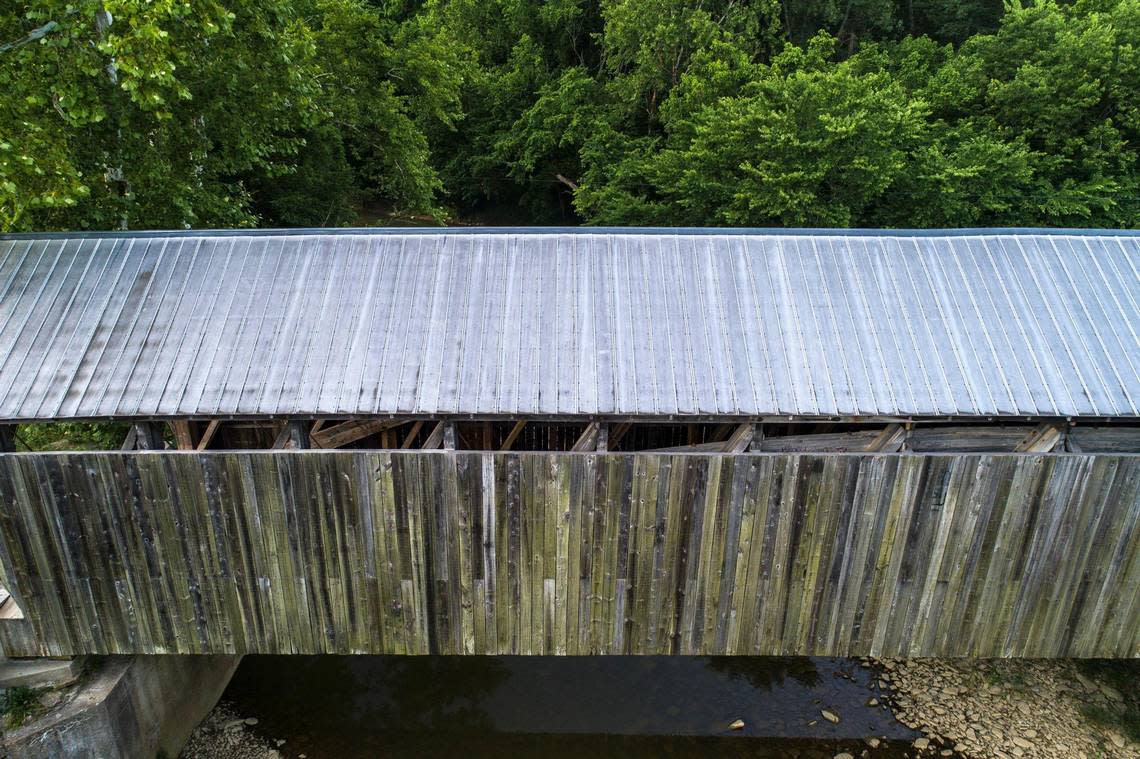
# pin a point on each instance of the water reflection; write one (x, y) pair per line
(767, 672)
(347, 706)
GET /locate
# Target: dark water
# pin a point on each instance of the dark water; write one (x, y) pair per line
(552, 707)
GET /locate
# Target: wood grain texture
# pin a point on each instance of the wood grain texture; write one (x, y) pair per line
(415, 552)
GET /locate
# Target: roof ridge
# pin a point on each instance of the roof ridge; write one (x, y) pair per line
(680, 231)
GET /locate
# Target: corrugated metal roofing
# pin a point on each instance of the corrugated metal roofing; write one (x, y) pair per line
(633, 322)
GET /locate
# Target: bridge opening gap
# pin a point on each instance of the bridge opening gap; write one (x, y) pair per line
(616, 435)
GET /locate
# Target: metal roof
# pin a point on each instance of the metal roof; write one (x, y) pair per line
(570, 322)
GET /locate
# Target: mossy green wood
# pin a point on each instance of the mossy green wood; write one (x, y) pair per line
(484, 553)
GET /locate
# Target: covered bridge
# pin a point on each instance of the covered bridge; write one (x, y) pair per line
(574, 442)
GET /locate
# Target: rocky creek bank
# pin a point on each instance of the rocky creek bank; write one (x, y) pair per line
(1007, 708)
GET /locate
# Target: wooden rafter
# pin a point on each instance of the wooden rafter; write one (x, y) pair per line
(434, 438)
(619, 432)
(890, 439)
(713, 447)
(281, 441)
(340, 435)
(513, 435)
(208, 435)
(740, 439)
(1042, 439)
(723, 432)
(411, 436)
(588, 440)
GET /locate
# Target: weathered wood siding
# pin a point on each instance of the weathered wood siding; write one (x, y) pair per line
(417, 552)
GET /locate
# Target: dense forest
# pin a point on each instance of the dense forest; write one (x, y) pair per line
(881, 113)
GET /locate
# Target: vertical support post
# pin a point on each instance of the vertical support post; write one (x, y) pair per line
(449, 436)
(183, 437)
(757, 443)
(7, 438)
(148, 436)
(603, 437)
(298, 435)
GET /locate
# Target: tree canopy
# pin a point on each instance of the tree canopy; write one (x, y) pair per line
(916, 113)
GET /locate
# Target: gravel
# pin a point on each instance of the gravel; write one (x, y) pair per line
(1008, 709)
(224, 735)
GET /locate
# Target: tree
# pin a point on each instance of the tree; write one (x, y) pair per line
(169, 114)
(806, 142)
(822, 112)
(1035, 124)
(146, 113)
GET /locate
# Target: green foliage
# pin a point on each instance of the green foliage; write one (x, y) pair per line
(1030, 125)
(1120, 674)
(733, 112)
(136, 121)
(71, 436)
(19, 703)
(167, 117)
(317, 190)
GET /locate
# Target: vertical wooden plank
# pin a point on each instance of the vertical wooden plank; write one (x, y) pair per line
(386, 547)
(1107, 611)
(782, 525)
(806, 545)
(561, 513)
(590, 479)
(767, 493)
(530, 589)
(930, 502)
(603, 538)
(987, 478)
(571, 574)
(661, 592)
(885, 586)
(511, 628)
(489, 558)
(678, 514)
(479, 618)
(411, 513)
(625, 623)
(739, 594)
(730, 516)
(551, 519)
(228, 487)
(460, 490)
(643, 555)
